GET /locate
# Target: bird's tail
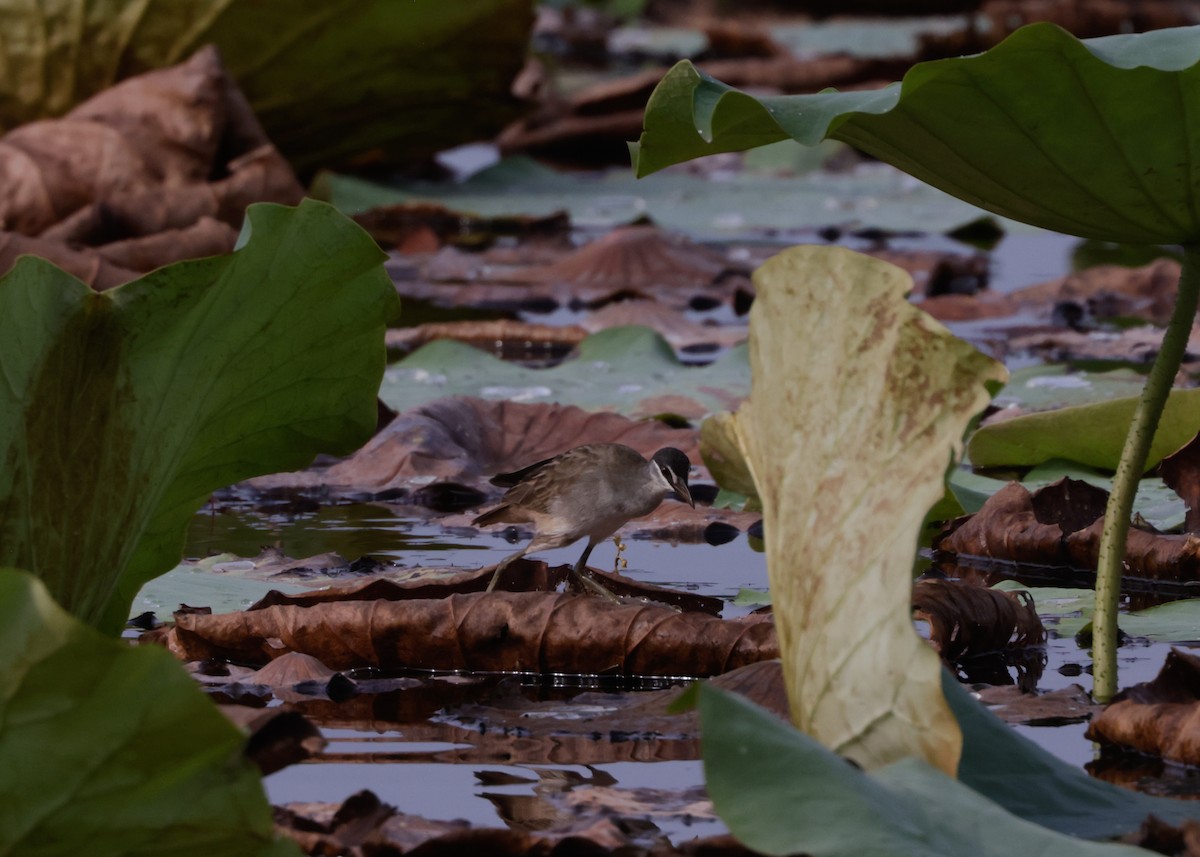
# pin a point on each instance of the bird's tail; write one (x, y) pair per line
(495, 516)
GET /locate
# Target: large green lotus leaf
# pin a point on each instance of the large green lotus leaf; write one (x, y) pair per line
(123, 410)
(329, 79)
(632, 370)
(782, 793)
(749, 202)
(1089, 138)
(858, 404)
(108, 749)
(1089, 434)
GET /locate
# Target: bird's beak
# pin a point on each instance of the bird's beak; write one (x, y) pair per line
(681, 489)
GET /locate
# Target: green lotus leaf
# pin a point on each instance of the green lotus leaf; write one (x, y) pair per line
(1091, 138)
(782, 793)
(858, 404)
(629, 369)
(1089, 434)
(108, 749)
(123, 410)
(329, 79)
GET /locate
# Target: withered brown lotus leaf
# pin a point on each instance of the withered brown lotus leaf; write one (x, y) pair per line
(1065, 705)
(1159, 717)
(1006, 528)
(523, 575)
(463, 438)
(631, 258)
(153, 170)
(967, 620)
(276, 737)
(1051, 531)
(1181, 471)
(497, 631)
(1112, 290)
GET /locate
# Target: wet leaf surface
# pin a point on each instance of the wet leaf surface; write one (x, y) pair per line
(507, 631)
(1049, 528)
(967, 620)
(1158, 718)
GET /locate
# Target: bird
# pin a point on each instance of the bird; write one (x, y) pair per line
(591, 490)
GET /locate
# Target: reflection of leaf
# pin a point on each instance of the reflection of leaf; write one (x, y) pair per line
(854, 388)
(123, 410)
(1090, 434)
(401, 79)
(1104, 150)
(1033, 784)
(113, 750)
(627, 369)
(782, 793)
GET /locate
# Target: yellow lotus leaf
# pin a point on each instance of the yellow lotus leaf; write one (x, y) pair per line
(859, 403)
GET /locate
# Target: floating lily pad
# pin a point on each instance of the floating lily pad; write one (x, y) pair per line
(706, 208)
(631, 370)
(1090, 434)
(1045, 387)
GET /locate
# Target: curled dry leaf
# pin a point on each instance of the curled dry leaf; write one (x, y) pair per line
(967, 620)
(1053, 530)
(854, 388)
(466, 439)
(125, 179)
(497, 631)
(1159, 717)
(1181, 471)
(275, 737)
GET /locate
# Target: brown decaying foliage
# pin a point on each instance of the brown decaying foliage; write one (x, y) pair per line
(1054, 527)
(1160, 717)
(967, 620)
(153, 170)
(498, 631)
(466, 439)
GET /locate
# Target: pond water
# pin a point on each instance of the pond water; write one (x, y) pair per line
(391, 752)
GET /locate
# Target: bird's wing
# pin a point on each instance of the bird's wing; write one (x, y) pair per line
(508, 480)
(541, 482)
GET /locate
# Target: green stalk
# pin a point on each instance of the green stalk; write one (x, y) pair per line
(1129, 471)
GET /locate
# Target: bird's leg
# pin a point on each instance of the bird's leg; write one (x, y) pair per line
(593, 585)
(503, 564)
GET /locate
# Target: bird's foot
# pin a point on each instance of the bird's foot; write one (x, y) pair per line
(595, 586)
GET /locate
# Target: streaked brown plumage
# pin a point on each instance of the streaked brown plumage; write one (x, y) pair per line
(591, 490)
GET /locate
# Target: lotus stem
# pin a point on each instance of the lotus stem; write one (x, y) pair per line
(1129, 472)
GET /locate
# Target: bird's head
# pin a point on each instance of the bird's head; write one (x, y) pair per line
(674, 467)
